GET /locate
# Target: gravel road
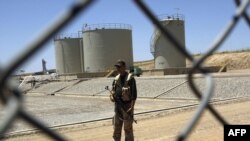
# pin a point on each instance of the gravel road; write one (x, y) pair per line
(57, 110)
(159, 128)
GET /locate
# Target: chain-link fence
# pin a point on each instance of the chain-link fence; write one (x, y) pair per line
(12, 99)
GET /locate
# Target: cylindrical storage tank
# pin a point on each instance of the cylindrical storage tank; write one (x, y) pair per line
(69, 54)
(104, 44)
(165, 53)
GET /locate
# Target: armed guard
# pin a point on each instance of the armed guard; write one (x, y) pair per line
(124, 95)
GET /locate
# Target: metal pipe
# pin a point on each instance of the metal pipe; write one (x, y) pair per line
(109, 118)
(170, 89)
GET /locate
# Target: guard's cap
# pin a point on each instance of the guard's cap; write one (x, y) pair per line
(120, 63)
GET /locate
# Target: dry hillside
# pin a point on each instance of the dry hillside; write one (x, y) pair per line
(145, 65)
(233, 60)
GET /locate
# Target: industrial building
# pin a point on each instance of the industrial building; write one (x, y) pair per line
(69, 53)
(164, 52)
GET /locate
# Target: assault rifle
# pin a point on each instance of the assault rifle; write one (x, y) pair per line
(120, 104)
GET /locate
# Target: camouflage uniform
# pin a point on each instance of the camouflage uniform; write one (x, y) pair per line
(120, 116)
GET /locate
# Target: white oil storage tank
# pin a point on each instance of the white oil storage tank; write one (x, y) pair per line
(164, 52)
(104, 44)
(69, 53)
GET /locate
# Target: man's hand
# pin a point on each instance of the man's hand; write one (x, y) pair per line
(111, 96)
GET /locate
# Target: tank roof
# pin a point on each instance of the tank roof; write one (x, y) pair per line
(166, 17)
(68, 36)
(87, 27)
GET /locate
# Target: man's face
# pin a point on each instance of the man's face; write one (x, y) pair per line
(120, 69)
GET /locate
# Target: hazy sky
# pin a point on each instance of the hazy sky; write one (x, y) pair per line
(23, 21)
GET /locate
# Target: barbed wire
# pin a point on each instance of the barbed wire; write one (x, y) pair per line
(11, 97)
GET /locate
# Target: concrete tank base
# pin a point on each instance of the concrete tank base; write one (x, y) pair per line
(181, 70)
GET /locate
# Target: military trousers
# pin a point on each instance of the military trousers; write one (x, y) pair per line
(123, 119)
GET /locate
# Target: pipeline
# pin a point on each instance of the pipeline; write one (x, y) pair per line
(170, 89)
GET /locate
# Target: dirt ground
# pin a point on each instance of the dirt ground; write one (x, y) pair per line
(161, 127)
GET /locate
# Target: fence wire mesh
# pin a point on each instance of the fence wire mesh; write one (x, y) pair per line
(11, 97)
